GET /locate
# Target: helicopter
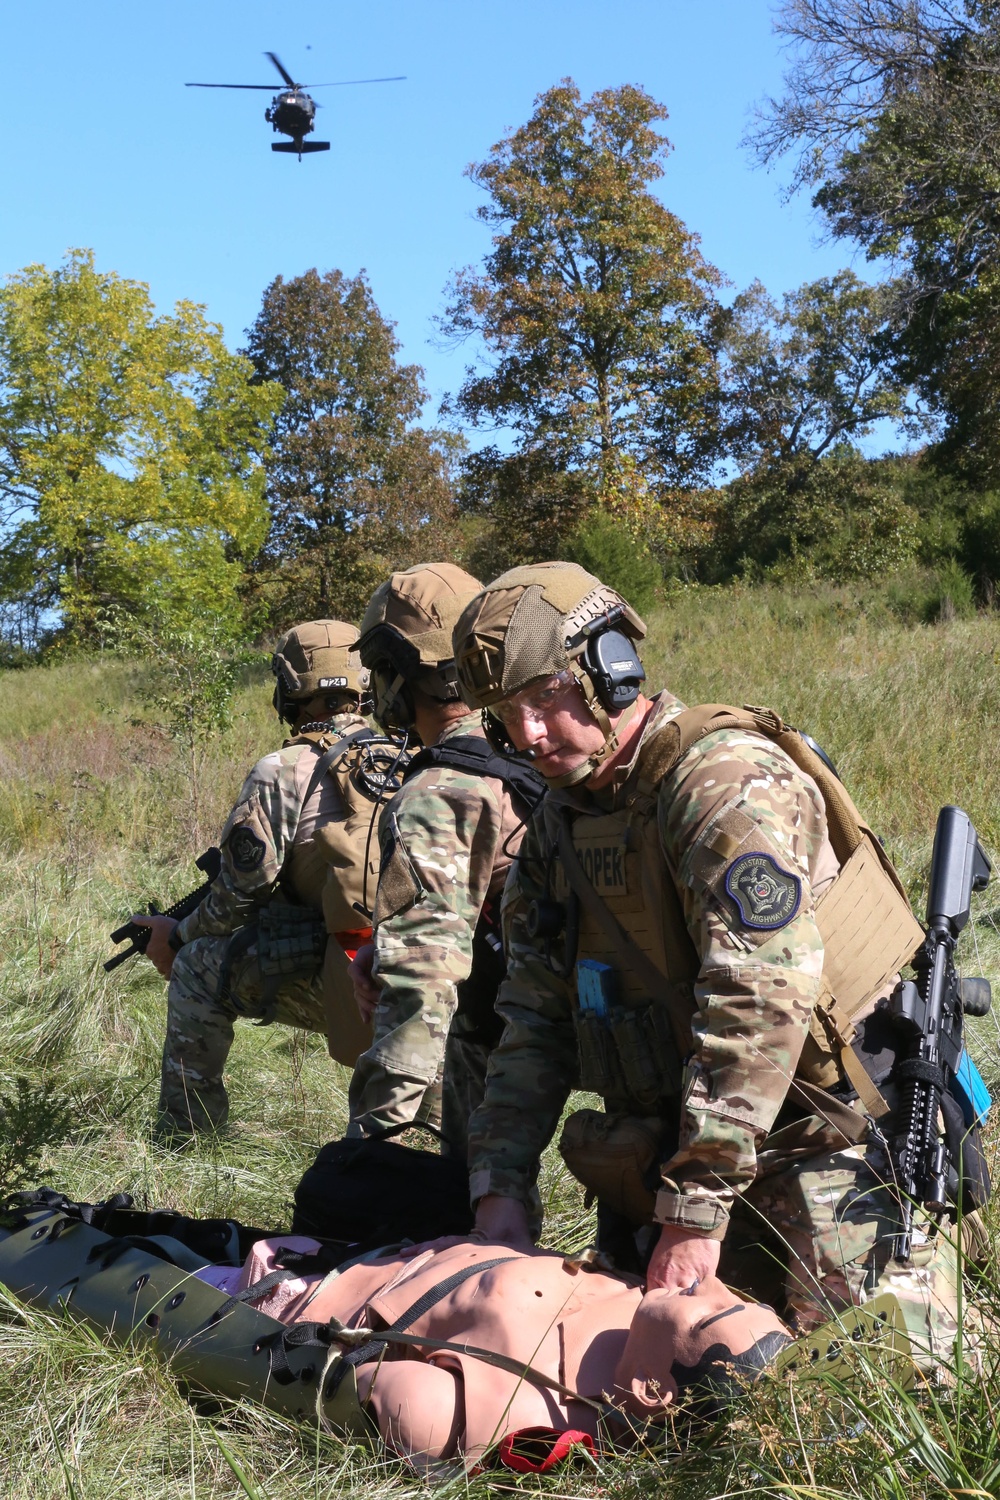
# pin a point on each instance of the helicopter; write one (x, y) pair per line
(292, 111)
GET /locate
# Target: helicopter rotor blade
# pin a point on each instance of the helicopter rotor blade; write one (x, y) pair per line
(341, 83)
(267, 87)
(282, 70)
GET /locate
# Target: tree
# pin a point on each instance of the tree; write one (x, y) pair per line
(355, 488)
(130, 448)
(813, 373)
(594, 309)
(890, 108)
(840, 516)
(189, 676)
(805, 381)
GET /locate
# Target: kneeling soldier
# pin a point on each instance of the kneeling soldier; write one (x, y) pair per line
(256, 945)
(700, 927)
(448, 838)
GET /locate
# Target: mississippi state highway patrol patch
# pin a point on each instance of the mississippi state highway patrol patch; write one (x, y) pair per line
(246, 850)
(766, 896)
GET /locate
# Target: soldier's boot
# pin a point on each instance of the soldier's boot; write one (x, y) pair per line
(199, 1036)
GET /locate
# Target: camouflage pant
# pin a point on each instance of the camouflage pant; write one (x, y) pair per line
(200, 1027)
(818, 1237)
(463, 1083)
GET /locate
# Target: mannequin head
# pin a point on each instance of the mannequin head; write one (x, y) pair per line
(701, 1346)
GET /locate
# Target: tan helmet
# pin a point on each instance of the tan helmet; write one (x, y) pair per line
(406, 638)
(542, 619)
(319, 658)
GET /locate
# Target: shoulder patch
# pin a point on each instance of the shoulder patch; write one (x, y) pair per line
(399, 885)
(765, 895)
(246, 850)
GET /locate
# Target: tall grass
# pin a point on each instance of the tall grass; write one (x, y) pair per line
(91, 827)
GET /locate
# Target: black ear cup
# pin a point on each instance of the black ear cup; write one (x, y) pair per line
(614, 668)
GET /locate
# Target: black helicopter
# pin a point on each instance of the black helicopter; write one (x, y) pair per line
(293, 112)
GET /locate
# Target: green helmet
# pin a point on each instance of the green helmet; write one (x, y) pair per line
(543, 619)
(406, 638)
(317, 659)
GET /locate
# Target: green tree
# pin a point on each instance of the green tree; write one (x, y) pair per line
(356, 488)
(130, 448)
(890, 111)
(839, 517)
(812, 373)
(594, 312)
(605, 548)
(190, 672)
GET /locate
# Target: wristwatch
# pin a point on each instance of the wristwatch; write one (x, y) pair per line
(175, 940)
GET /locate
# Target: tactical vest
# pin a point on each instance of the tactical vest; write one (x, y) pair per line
(336, 870)
(632, 1054)
(477, 994)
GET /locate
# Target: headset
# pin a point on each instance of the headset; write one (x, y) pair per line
(396, 669)
(611, 663)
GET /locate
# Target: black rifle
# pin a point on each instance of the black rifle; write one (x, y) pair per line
(210, 863)
(931, 1013)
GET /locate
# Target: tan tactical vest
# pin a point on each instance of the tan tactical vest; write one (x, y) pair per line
(637, 925)
(336, 870)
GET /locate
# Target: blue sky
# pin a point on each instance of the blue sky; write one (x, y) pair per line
(105, 148)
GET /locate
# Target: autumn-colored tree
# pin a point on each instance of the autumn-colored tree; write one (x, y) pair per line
(130, 449)
(355, 487)
(594, 312)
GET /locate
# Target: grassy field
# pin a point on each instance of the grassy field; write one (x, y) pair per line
(96, 817)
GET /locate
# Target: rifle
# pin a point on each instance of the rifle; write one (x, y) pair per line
(210, 863)
(931, 1013)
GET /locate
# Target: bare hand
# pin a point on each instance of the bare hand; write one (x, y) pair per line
(680, 1259)
(366, 989)
(503, 1221)
(158, 949)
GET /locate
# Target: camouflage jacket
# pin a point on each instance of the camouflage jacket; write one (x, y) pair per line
(753, 995)
(448, 838)
(259, 838)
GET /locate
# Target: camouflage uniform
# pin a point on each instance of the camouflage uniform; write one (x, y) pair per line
(738, 1146)
(262, 834)
(457, 833)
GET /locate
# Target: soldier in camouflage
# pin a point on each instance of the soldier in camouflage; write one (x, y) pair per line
(447, 841)
(269, 864)
(665, 951)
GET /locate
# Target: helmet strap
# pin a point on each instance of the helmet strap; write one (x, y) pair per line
(612, 732)
(385, 701)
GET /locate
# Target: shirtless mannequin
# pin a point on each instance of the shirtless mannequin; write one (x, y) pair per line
(596, 1335)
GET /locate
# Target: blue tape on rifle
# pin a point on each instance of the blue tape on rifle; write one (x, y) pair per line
(970, 1091)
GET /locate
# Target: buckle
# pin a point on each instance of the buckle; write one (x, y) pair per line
(768, 720)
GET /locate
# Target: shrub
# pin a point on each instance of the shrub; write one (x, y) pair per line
(979, 549)
(840, 514)
(32, 1117)
(605, 548)
(929, 595)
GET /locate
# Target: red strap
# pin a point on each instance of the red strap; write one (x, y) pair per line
(536, 1450)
